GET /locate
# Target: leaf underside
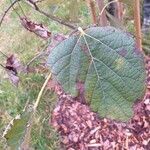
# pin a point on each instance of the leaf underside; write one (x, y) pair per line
(108, 64)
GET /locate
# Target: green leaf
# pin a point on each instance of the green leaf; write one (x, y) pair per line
(16, 131)
(108, 64)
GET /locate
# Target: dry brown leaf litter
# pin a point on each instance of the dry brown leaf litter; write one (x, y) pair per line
(82, 129)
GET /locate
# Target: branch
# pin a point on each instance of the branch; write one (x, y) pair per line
(6, 11)
(137, 22)
(120, 11)
(91, 5)
(102, 17)
(59, 20)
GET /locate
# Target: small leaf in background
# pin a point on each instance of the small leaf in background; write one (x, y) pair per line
(12, 67)
(15, 131)
(12, 64)
(105, 61)
(38, 29)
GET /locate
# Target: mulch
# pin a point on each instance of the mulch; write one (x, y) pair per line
(82, 129)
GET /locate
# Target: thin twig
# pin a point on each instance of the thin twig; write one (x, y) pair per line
(2, 66)
(38, 55)
(58, 20)
(52, 17)
(34, 58)
(94, 145)
(6, 11)
(41, 92)
(3, 54)
(114, 1)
